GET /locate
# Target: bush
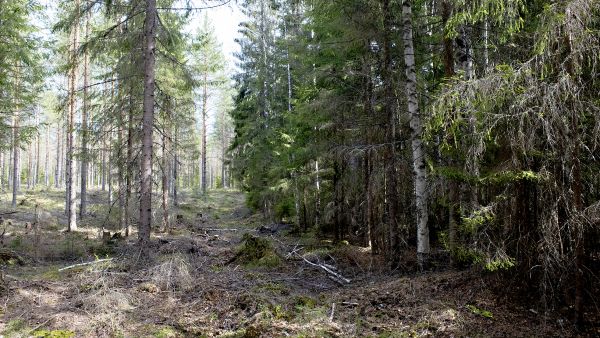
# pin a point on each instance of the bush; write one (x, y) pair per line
(256, 252)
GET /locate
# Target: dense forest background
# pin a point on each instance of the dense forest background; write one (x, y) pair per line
(438, 134)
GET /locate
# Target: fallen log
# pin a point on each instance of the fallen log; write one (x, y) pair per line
(216, 229)
(84, 264)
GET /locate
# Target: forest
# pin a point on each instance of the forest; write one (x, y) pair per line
(304, 168)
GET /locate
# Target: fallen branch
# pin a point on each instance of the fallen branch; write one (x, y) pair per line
(334, 275)
(215, 229)
(84, 264)
(332, 312)
(8, 213)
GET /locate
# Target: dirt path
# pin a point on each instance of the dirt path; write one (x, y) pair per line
(197, 281)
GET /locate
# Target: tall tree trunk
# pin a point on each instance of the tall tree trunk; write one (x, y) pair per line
(121, 164)
(165, 173)
(147, 123)
(577, 190)
(416, 126)
(58, 158)
(390, 112)
(36, 169)
(70, 206)
(16, 175)
(84, 122)
(1, 169)
(204, 129)
(129, 162)
(29, 167)
(453, 197)
(318, 195)
(175, 169)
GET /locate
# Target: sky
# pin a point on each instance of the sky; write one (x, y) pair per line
(225, 19)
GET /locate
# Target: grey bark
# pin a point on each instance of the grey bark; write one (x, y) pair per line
(204, 130)
(147, 123)
(70, 206)
(416, 126)
(84, 122)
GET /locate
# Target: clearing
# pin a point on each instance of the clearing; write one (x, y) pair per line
(221, 271)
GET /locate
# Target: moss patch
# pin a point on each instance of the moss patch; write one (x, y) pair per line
(257, 252)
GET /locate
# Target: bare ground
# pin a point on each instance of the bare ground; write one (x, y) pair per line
(190, 284)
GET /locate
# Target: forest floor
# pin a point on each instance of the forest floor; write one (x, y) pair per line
(221, 271)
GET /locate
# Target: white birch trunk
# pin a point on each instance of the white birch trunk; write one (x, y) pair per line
(416, 126)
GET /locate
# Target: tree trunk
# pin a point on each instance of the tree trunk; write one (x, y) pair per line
(416, 126)
(121, 164)
(16, 176)
(165, 175)
(58, 157)
(70, 207)
(36, 169)
(453, 197)
(47, 159)
(29, 167)
(391, 188)
(84, 122)
(129, 162)
(175, 168)
(103, 169)
(204, 116)
(147, 123)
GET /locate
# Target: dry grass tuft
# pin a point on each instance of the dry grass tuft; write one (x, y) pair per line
(173, 274)
(105, 302)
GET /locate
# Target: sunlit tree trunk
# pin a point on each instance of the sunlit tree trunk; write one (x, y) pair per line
(165, 169)
(204, 129)
(147, 123)
(84, 122)
(175, 169)
(47, 158)
(416, 126)
(58, 157)
(70, 205)
(16, 176)
(129, 163)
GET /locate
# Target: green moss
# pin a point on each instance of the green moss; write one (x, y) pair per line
(53, 334)
(280, 313)
(305, 302)
(257, 252)
(504, 177)
(14, 326)
(481, 312)
(167, 332)
(16, 243)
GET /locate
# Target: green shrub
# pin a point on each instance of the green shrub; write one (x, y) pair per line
(257, 252)
(285, 208)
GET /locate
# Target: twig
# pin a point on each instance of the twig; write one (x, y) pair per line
(332, 312)
(8, 213)
(339, 278)
(42, 324)
(84, 264)
(214, 229)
